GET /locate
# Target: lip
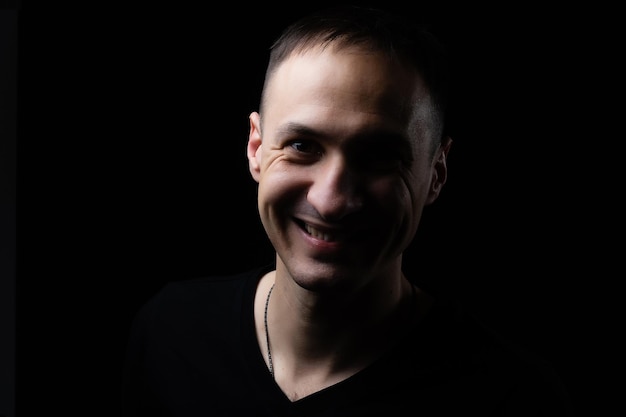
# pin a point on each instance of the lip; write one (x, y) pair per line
(324, 237)
(327, 235)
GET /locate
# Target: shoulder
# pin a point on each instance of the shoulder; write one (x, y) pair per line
(217, 287)
(196, 300)
(489, 370)
(454, 364)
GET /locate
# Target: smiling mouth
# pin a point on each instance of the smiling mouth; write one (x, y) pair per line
(318, 234)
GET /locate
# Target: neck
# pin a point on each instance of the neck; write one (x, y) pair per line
(336, 331)
(317, 340)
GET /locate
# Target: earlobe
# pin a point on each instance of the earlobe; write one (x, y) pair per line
(439, 170)
(254, 146)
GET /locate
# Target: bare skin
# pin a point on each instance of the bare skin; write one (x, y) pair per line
(307, 358)
(344, 167)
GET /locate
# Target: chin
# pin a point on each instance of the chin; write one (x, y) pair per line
(321, 276)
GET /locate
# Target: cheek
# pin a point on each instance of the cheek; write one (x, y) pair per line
(278, 187)
(392, 194)
(401, 200)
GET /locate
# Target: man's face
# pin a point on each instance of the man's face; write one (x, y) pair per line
(344, 166)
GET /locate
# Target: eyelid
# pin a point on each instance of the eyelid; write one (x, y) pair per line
(314, 148)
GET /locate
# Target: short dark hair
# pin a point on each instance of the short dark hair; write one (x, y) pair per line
(375, 28)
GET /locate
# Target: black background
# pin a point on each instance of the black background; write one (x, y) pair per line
(132, 125)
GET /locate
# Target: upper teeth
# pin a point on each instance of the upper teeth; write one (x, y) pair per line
(317, 234)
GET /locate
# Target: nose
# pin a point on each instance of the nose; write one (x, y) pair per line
(335, 191)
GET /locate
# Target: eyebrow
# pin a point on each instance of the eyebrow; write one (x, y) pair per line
(371, 136)
(299, 129)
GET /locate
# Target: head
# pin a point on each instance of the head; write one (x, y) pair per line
(348, 145)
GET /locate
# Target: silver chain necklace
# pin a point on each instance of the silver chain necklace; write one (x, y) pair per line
(267, 334)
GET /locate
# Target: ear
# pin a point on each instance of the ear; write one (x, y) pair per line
(254, 146)
(439, 173)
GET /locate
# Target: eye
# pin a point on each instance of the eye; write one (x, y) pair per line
(381, 159)
(381, 152)
(306, 147)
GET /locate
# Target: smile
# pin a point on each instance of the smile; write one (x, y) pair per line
(318, 234)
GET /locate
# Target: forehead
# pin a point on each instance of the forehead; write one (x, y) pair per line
(352, 72)
(347, 85)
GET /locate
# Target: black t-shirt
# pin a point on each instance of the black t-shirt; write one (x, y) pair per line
(193, 351)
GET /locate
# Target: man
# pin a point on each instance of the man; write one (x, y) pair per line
(348, 148)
